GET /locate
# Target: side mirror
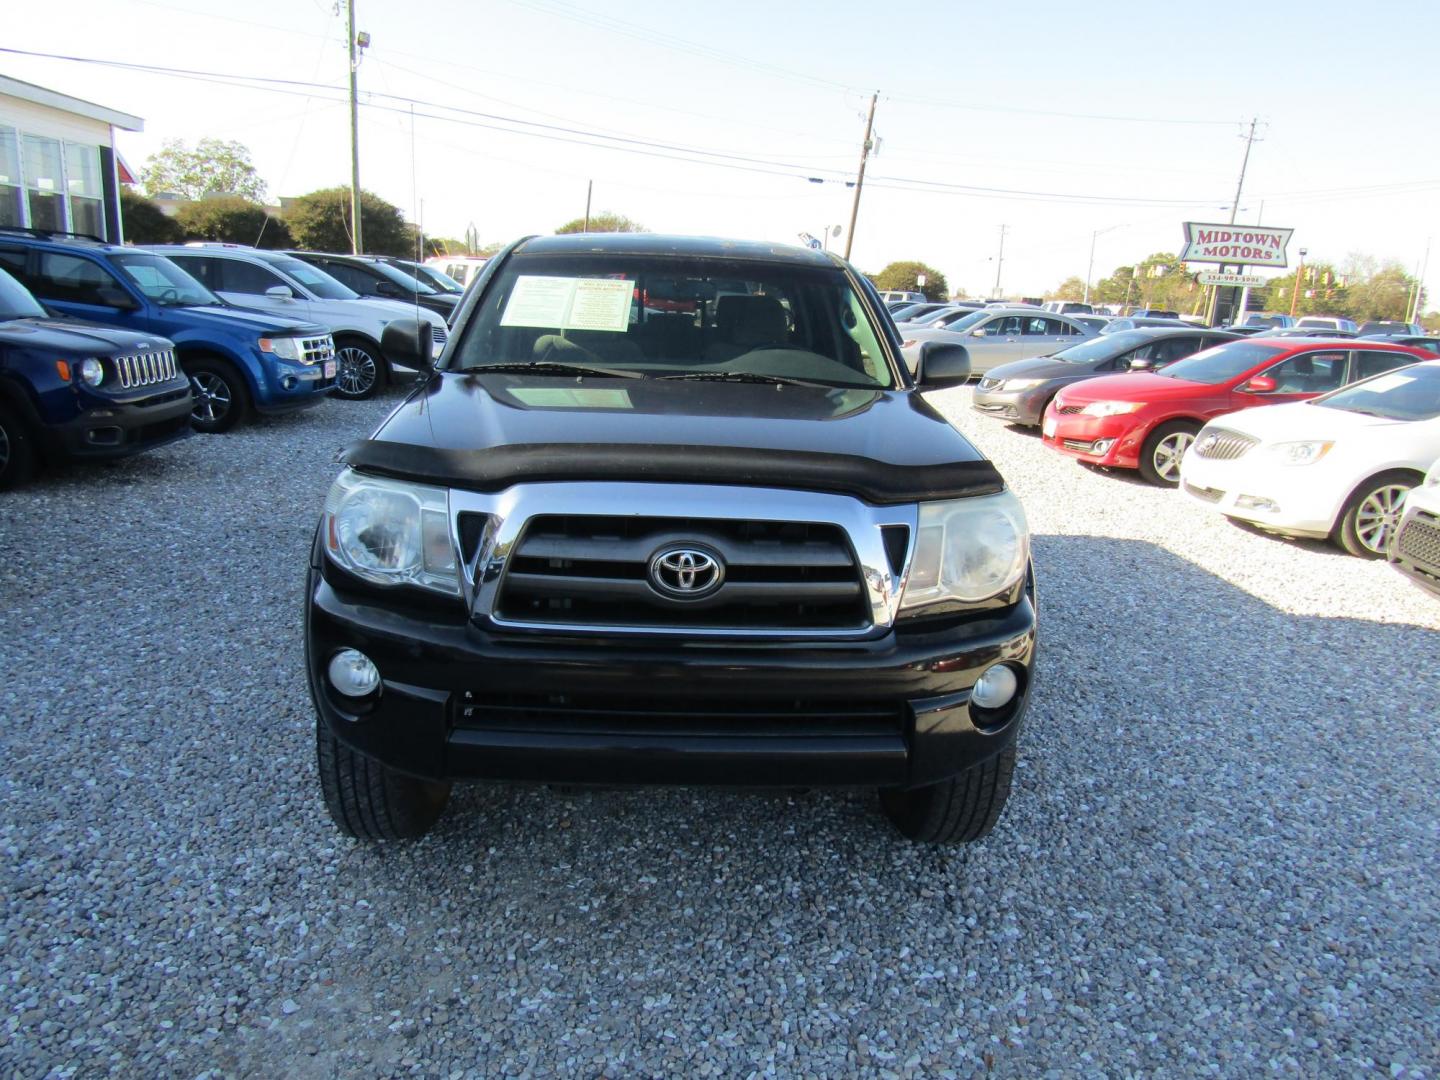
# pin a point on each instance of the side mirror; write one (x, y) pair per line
(280, 292)
(1260, 384)
(407, 342)
(1139, 363)
(388, 288)
(942, 364)
(978, 333)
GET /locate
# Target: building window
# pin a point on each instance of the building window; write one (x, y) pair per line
(82, 182)
(44, 182)
(11, 186)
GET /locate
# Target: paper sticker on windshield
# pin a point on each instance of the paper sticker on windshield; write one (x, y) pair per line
(569, 303)
(1385, 383)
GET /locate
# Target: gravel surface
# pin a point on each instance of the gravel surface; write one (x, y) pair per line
(1220, 856)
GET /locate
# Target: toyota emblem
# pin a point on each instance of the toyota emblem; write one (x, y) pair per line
(686, 573)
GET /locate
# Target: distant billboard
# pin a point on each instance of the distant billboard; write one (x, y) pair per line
(1243, 245)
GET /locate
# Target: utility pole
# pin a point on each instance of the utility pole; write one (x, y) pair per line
(999, 262)
(860, 179)
(1414, 313)
(356, 243)
(589, 189)
(1234, 209)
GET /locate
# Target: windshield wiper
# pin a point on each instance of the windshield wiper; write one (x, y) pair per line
(552, 367)
(744, 376)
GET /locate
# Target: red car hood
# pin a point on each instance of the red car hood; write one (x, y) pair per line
(1136, 386)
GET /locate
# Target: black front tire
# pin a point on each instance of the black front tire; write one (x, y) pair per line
(368, 800)
(955, 811)
(221, 398)
(17, 449)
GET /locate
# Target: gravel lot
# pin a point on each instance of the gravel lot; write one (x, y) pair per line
(1220, 856)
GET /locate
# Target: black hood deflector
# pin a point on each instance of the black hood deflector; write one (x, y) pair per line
(492, 469)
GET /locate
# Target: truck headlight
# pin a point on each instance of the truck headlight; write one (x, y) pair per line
(1306, 452)
(967, 550)
(390, 532)
(92, 372)
(287, 348)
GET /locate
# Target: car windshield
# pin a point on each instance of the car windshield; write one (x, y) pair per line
(313, 278)
(164, 282)
(975, 318)
(719, 319)
(442, 282)
(1102, 348)
(408, 282)
(1410, 393)
(1222, 363)
(16, 301)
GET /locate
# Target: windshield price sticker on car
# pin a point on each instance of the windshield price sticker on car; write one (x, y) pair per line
(570, 303)
(1385, 383)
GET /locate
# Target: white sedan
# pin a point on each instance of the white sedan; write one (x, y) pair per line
(1335, 466)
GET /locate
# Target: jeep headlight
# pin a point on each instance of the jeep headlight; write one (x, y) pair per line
(967, 550)
(92, 372)
(1306, 452)
(287, 348)
(390, 532)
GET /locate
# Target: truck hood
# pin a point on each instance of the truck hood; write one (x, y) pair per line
(76, 338)
(489, 430)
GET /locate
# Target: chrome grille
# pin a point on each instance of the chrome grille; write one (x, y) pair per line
(1419, 541)
(1082, 446)
(1207, 493)
(593, 570)
(1221, 444)
(317, 350)
(144, 369)
(1069, 410)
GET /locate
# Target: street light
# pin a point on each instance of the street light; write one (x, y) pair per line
(1295, 292)
(1090, 269)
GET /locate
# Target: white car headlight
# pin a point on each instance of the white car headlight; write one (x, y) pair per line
(967, 550)
(390, 532)
(287, 348)
(92, 372)
(1021, 384)
(1301, 453)
(1112, 408)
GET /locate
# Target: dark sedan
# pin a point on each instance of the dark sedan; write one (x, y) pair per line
(1018, 392)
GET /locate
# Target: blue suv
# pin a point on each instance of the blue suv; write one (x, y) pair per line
(68, 390)
(237, 360)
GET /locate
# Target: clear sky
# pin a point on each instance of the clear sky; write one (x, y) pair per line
(1138, 106)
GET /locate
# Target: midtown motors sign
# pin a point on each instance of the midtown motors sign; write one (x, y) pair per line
(1244, 245)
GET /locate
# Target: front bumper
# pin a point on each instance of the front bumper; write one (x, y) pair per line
(1276, 498)
(1112, 441)
(460, 702)
(292, 386)
(1016, 406)
(118, 428)
(1416, 549)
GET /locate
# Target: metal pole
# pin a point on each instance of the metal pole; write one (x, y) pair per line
(1295, 292)
(1234, 209)
(589, 189)
(860, 178)
(356, 243)
(999, 263)
(1090, 268)
(1414, 314)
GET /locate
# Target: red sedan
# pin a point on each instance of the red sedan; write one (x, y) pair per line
(1148, 420)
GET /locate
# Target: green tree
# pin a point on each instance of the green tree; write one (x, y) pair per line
(605, 221)
(1159, 281)
(904, 275)
(232, 220)
(212, 167)
(320, 221)
(144, 222)
(1072, 288)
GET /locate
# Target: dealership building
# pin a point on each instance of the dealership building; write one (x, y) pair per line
(58, 167)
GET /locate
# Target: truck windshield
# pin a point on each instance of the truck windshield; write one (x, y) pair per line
(165, 283)
(16, 301)
(667, 316)
(1222, 363)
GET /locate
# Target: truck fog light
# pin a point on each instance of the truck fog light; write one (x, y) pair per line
(995, 688)
(289, 382)
(353, 674)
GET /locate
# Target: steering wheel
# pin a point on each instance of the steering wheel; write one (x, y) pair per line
(167, 295)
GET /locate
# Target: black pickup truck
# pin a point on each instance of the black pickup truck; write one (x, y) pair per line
(724, 541)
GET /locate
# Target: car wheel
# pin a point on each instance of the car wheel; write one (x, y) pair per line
(1160, 457)
(220, 398)
(359, 370)
(17, 450)
(368, 800)
(1369, 519)
(954, 811)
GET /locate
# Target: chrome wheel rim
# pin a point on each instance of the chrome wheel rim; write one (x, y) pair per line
(212, 397)
(1377, 515)
(355, 372)
(1168, 452)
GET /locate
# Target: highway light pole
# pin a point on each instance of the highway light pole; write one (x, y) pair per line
(1090, 269)
(999, 263)
(357, 245)
(860, 179)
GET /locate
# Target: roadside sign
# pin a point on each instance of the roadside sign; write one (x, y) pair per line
(1243, 245)
(1253, 281)
(809, 241)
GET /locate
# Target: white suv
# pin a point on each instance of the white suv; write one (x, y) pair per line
(281, 284)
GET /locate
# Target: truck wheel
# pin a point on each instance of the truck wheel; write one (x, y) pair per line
(221, 398)
(359, 370)
(368, 800)
(1370, 518)
(954, 811)
(17, 450)
(1160, 457)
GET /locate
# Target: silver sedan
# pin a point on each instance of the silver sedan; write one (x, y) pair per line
(998, 336)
